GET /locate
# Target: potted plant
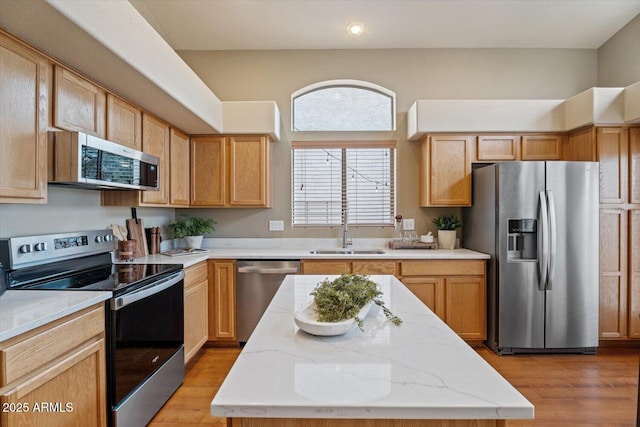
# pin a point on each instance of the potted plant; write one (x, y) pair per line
(191, 229)
(447, 225)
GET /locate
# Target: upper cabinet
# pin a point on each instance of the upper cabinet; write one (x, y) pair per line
(231, 171)
(78, 104)
(445, 170)
(124, 123)
(24, 114)
(171, 146)
(179, 169)
(497, 148)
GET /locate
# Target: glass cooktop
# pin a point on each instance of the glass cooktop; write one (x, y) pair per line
(95, 273)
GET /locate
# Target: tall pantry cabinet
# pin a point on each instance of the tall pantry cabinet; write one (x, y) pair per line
(617, 149)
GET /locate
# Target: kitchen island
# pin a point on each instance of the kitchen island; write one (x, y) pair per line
(420, 372)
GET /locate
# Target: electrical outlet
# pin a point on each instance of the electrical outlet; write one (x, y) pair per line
(408, 224)
(276, 225)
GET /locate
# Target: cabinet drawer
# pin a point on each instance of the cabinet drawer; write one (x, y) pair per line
(325, 267)
(373, 267)
(195, 274)
(442, 268)
(32, 350)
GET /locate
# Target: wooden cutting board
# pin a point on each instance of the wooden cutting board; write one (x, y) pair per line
(135, 227)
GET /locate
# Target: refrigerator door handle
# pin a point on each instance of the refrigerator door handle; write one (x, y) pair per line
(543, 262)
(552, 238)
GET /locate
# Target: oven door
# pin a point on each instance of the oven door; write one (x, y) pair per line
(146, 356)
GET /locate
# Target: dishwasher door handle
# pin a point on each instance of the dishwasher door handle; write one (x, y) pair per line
(263, 270)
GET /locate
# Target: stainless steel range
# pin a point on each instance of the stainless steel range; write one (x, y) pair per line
(145, 316)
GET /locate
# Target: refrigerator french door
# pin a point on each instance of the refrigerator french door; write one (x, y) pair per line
(539, 222)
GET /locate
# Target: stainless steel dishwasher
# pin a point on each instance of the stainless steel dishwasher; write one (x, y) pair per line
(257, 282)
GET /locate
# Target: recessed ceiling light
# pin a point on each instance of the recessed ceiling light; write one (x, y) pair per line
(355, 28)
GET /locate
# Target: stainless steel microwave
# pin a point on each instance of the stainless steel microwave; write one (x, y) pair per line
(80, 160)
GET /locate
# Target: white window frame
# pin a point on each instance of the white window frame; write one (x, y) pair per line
(360, 84)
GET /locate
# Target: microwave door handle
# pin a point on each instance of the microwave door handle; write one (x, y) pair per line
(543, 261)
(552, 238)
(146, 291)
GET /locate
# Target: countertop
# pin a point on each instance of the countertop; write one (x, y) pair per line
(418, 370)
(24, 310)
(304, 253)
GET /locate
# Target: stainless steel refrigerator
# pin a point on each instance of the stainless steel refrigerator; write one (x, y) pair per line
(539, 222)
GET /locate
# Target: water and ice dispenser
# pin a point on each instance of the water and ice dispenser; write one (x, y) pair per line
(522, 235)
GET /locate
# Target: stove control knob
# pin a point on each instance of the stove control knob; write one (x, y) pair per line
(39, 247)
(108, 237)
(98, 239)
(25, 249)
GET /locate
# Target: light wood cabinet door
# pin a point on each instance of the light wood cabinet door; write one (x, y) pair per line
(634, 160)
(581, 145)
(634, 273)
(541, 147)
(497, 148)
(325, 267)
(445, 170)
(465, 306)
(124, 123)
(179, 168)
(613, 152)
(78, 104)
(196, 319)
(24, 98)
(429, 290)
(222, 301)
(62, 364)
(249, 174)
(613, 273)
(208, 166)
(155, 141)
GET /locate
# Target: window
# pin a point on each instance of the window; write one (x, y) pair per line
(330, 179)
(343, 105)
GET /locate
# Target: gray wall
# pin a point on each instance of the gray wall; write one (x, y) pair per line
(71, 210)
(411, 73)
(619, 57)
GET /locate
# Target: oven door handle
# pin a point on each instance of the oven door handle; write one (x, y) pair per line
(146, 291)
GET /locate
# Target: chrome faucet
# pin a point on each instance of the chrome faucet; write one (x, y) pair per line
(346, 240)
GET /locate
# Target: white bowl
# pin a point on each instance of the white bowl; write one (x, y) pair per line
(307, 319)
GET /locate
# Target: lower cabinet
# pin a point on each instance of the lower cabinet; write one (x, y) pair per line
(196, 318)
(222, 302)
(454, 290)
(55, 375)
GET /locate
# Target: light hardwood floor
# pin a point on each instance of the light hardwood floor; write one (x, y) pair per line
(566, 390)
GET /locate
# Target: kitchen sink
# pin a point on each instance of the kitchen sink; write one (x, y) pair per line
(346, 251)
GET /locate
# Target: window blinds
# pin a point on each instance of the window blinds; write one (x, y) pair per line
(328, 178)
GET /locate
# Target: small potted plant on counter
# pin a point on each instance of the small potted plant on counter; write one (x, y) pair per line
(447, 225)
(191, 229)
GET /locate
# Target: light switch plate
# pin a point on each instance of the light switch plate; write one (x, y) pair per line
(276, 225)
(408, 224)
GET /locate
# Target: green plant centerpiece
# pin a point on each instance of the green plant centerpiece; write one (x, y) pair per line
(343, 298)
(447, 222)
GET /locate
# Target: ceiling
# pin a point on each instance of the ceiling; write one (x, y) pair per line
(321, 24)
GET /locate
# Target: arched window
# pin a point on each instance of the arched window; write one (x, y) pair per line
(343, 105)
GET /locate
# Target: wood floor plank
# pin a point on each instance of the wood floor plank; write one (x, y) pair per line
(567, 390)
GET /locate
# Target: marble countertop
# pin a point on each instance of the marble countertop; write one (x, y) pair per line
(25, 310)
(418, 370)
(256, 251)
